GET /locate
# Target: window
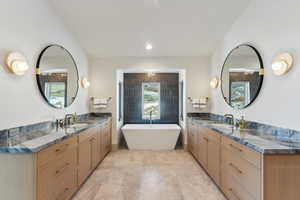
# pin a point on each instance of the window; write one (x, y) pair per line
(55, 93)
(240, 94)
(151, 100)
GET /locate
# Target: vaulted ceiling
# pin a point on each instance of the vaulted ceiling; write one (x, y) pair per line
(173, 27)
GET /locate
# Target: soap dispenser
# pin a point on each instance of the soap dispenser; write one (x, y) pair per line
(242, 123)
(242, 126)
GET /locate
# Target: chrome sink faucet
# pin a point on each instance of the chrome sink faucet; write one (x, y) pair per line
(231, 117)
(151, 117)
(70, 118)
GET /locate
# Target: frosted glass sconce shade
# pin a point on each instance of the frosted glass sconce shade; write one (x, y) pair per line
(17, 63)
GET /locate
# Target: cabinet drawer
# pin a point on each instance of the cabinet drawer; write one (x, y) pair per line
(233, 190)
(242, 151)
(247, 174)
(58, 179)
(63, 189)
(56, 151)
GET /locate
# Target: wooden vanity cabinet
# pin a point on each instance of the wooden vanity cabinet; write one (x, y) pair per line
(214, 155)
(63, 167)
(105, 139)
(57, 171)
(189, 136)
(89, 150)
(242, 173)
(205, 145)
(96, 147)
(193, 139)
(84, 160)
(233, 167)
(202, 147)
(259, 176)
(209, 151)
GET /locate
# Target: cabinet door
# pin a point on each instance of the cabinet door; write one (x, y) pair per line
(213, 160)
(109, 148)
(95, 150)
(190, 140)
(193, 140)
(106, 139)
(203, 143)
(196, 142)
(103, 141)
(57, 179)
(84, 160)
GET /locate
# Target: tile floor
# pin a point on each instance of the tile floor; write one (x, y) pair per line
(149, 175)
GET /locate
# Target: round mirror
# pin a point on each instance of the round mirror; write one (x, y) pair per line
(57, 76)
(242, 76)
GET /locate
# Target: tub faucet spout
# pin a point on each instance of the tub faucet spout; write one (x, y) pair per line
(151, 117)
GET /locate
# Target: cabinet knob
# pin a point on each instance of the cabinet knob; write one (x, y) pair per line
(236, 168)
(61, 170)
(63, 148)
(61, 196)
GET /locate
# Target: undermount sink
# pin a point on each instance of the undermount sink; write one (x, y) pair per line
(78, 125)
(225, 126)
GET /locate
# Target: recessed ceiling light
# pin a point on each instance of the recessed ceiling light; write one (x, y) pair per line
(148, 46)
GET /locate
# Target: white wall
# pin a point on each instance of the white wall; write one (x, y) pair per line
(28, 26)
(103, 73)
(272, 27)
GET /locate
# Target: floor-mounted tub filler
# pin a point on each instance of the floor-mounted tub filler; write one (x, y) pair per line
(151, 136)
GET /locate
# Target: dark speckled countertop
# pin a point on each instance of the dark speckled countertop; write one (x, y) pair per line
(44, 135)
(263, 140)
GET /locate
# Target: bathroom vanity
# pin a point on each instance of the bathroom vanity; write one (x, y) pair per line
(54, 162)
(246, 164)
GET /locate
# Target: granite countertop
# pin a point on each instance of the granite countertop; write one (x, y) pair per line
(46, 135)
(258, 139)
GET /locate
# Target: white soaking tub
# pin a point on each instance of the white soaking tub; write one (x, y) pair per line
(151, 136)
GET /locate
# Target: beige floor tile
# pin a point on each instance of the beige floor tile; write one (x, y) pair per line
(149, 175)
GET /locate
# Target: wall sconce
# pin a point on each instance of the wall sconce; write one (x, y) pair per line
(282, 64)
(16, 63)
(214, 83)
(85, 83)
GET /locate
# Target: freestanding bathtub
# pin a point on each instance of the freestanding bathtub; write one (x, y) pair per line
(151, 136)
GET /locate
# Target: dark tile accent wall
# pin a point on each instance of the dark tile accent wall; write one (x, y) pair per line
(169, 97)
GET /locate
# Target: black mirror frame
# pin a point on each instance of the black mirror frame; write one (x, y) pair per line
(262, 75)
(38, 75)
